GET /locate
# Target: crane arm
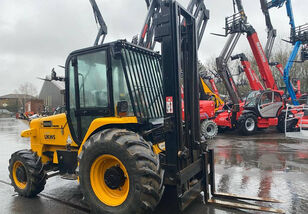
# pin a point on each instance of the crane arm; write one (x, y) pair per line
(271, 32)
(102, 32)
(224, 71)
(290, 13)
(252, 77)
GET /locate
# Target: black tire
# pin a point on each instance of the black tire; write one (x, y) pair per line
(31, 172)
(247, 124)
(141, 163)
(223, 129)
(208, 129)
(290, 123)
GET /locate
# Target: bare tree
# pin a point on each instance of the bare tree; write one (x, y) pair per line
(26, 92)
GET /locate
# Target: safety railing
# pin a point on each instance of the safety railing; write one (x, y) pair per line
(235, 23)
(300, 33)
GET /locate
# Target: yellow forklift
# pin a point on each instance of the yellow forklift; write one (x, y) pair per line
(123, 135)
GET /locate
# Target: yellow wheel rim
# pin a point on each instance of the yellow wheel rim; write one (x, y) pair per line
(19, 184)
(110, 197)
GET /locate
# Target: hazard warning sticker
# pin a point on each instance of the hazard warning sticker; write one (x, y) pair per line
(169, 105)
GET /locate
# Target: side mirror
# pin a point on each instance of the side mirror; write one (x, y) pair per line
(122, 107)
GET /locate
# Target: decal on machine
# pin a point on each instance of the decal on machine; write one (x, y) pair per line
(169, 105)
(49, 137)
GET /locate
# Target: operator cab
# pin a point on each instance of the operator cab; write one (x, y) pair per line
(112, 80)
(265, 103)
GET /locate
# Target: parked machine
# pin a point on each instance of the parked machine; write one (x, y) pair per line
(298, 38)
(261, 108)
(272, 34)
(123, 135)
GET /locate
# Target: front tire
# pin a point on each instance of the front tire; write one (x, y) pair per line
(209, 129)
(290, 123)
(27, 173)
(120, 173)
(247, 124)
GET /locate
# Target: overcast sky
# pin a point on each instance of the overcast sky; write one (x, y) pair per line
(37, 35)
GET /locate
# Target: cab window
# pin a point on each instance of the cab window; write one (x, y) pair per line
(120, 90)
(92, 80)
(266, 97)
(277, 97)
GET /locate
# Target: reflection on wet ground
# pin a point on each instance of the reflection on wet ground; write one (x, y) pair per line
(263, 165)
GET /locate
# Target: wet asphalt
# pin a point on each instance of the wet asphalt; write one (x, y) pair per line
(263, 165)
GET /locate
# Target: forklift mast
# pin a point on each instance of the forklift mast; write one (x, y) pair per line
(102, 32)
(179, 46)
(195, 7)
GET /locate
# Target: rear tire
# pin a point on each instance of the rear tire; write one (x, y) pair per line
(141, 187)
(247, 124)
(209, 129)
(27, 173)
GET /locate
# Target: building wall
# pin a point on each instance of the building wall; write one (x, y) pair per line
(9, 104)
(35, 106)
(51, 95)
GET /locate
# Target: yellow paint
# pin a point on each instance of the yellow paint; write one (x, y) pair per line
(40, 143)
(55, 158)
(55, 138)
(99, 122)
(158, 148)
(20, 185)
(29, 133)
(208, 91)
(110, 197)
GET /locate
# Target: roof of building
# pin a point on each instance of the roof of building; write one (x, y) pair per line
(16, 96)
(59, 84)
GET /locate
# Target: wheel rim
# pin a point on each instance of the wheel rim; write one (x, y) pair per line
(109, 180)
(250, 124)
(210, 130)
(19, 175)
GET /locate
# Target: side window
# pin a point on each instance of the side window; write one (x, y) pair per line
(277, 97)
(72, 99)
(92, 78)
(120, 90)
(266, 97)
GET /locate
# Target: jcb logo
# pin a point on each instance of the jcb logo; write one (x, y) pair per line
(50, 137)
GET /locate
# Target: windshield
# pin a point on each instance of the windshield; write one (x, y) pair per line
(252, 99)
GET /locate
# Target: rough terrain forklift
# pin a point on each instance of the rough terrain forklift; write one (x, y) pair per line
(123, 135)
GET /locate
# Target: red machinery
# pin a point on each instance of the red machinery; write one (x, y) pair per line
(262, 108)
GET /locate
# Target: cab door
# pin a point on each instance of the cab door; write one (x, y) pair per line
(277, 103)
(265, 106)
(89, 90)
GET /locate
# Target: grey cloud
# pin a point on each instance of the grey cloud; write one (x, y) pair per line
(37, 35)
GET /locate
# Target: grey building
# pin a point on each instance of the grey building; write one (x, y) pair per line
(53, 94)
